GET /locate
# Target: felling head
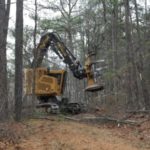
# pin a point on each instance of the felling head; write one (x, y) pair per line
(93, 88)
(92, 73)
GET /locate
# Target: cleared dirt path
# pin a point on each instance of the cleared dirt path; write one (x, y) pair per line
(66, 135)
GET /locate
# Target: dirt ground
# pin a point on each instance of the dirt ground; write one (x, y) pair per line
(56, 133)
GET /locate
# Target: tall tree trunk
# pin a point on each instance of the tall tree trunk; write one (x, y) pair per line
(7, 12)
(18, 59)
(146, 13)
(140, 61)
(104, 11)
(132, 86)
(34, 50)
(35, 23)
(136, 89)
(3, 63)
(114, 43)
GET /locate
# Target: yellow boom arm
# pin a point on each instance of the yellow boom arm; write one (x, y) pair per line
(54, 41)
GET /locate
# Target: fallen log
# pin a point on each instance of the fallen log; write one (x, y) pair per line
(71, 118)
(138, 111)
(107, 119)
(101, 119)
(45, 118)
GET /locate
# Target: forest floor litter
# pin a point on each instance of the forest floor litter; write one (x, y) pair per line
(60, 133)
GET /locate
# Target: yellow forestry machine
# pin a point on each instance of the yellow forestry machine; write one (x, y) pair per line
(49, 84)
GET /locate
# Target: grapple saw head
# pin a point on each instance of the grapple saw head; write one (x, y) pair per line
(93, 88)
(92, 74)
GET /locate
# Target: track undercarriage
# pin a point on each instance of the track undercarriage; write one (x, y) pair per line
(54, 106)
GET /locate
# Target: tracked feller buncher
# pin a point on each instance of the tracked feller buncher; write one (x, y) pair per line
(49, 84)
